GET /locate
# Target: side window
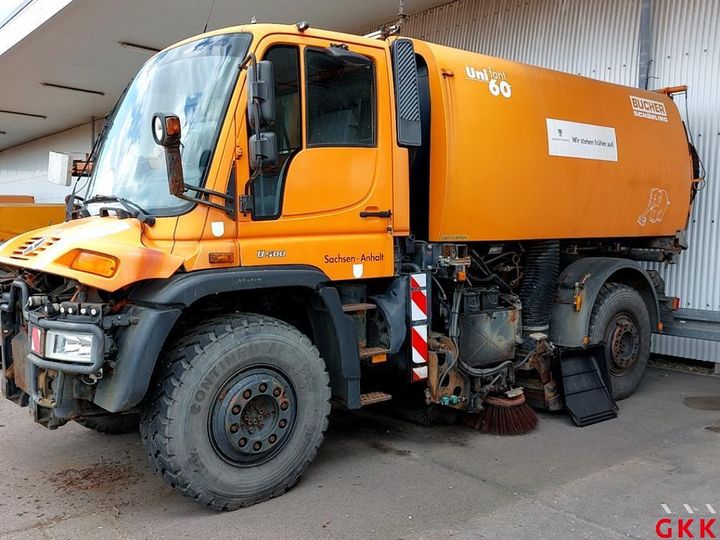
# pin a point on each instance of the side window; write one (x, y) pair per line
(340, 100)
(268, 188)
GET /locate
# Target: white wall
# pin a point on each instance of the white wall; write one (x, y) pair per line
(23, 169)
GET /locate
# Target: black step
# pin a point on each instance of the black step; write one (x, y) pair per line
(373, 397)
(369, 352)
(360, 306)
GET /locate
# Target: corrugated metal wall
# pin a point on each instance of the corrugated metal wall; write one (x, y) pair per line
(594, 38)
(600, 39)
(686, 50)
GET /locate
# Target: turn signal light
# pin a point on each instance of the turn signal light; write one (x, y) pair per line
(675, 303)
(221, 257)
(172, 126)
(95, 263)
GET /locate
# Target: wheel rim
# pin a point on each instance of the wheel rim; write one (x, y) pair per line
(624, 341)
(253, 416)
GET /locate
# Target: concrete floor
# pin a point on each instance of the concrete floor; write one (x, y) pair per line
(377, 477)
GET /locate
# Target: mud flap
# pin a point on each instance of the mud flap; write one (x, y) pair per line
(586, 385)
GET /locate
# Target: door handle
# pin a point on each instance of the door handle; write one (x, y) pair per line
(376, 213)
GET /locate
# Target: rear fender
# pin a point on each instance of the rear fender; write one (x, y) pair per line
(583, 279)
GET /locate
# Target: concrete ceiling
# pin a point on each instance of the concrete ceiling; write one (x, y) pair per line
(79, 47)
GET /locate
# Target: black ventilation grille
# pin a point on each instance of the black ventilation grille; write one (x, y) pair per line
(406, 93)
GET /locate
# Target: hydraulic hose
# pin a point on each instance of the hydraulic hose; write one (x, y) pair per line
(537, 290)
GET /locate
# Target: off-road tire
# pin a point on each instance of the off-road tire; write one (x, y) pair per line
(112, 424)
(619, 305)
(176, 424)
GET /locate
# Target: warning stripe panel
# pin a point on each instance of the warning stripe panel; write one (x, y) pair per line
(418, 305)
(418, 281)
(418, 338)
(419, 373)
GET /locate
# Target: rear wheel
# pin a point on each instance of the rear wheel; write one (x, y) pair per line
(239, 412)
(620, 319)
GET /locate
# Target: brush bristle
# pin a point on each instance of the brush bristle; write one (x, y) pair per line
(502, 416)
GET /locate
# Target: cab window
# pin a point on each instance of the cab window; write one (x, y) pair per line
(340, 100)
(287, 127)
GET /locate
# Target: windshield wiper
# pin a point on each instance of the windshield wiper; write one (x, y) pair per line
(131, 209)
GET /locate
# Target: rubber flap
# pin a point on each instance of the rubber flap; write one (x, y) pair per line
(586, 385)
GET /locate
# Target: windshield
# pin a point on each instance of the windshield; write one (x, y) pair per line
(193, 81)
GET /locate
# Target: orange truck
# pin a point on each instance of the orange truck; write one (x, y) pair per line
(279, 217)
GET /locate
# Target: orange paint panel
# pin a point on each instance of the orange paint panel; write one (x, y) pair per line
(520, 152)
(324, 180)
(346, 257)
(53, 249)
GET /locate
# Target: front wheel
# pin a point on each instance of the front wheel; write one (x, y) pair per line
(112, 424)
(620, 319)
(239, 412)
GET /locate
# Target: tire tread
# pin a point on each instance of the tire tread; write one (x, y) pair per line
(182, 357)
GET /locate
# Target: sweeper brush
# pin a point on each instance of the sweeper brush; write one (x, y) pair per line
(504, 416)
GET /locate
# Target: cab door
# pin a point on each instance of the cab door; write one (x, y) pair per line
(328, 201)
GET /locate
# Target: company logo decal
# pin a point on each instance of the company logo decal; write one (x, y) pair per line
(32, 247)
(577, 140)
(270, 254)
(648, 108)
(658, 204)
(700, 523)
(497, 82)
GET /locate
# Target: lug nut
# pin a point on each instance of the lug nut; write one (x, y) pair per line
(234, 428)
(257, 446)
(272, 438)
(263, 387)
(284, 405)
(242, 442)
(247, 394)
(236, 409)
(277, 392)
(282, 423)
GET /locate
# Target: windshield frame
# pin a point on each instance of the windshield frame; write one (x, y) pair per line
(183, 206)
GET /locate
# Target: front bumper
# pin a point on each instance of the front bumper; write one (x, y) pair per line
(114, 379)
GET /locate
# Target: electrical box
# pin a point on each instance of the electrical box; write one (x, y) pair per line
(60, 168)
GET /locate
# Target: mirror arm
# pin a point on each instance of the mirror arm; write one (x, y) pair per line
(209, 192)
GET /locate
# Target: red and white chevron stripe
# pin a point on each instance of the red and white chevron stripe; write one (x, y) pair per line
(419, 326)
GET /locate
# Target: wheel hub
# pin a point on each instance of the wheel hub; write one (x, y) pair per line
(624, 342)
(253, 415)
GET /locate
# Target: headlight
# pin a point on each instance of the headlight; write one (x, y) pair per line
(68, 346)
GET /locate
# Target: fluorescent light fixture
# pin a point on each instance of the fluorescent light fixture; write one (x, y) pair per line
(137, 47)
(73, 88)
(10, 8)
(18, 113)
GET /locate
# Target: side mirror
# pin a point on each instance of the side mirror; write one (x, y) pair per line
(261, 91)
(263, 150)
(166, 132)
